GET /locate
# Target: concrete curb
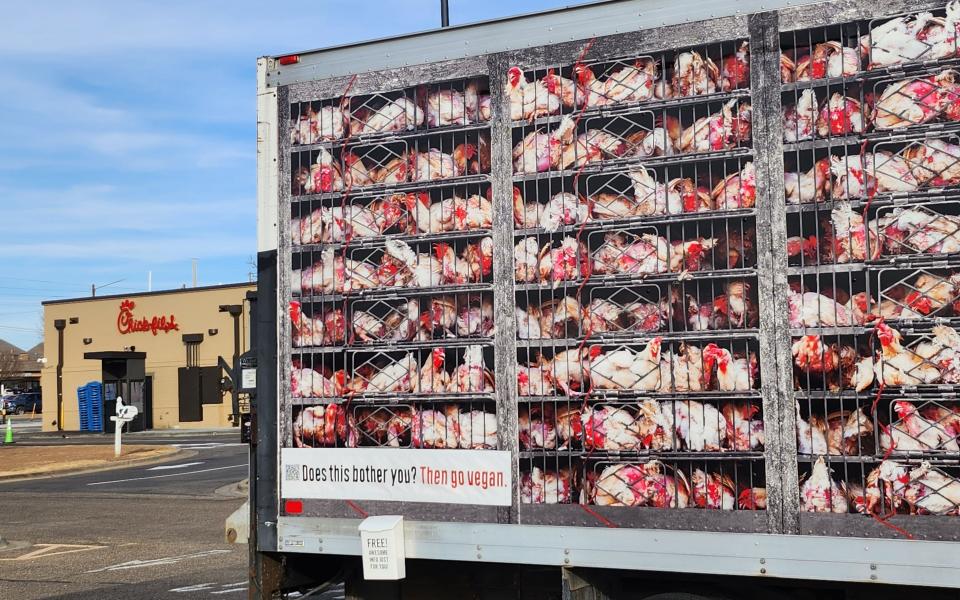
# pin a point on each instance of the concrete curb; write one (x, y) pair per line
(179, 454)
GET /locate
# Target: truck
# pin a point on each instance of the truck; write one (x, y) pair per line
(622, 300)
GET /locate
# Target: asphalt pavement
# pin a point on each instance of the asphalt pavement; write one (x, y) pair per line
(154, 531)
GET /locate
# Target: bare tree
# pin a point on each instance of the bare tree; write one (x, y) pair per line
(10, 365)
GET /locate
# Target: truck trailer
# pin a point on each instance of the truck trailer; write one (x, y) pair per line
(623, 300)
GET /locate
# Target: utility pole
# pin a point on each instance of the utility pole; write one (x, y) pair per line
(195, 262)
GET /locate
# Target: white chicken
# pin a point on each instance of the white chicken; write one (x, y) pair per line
(539, 151)
(733, 374)
(631, 83)
(529, 100)
(432, 165)
(564, 208)
(811, 309)
(897, 366)
(394, 377)
(934, 162)
(719, 131)
(701, 426)
(812, 186)
(446, 107)
(811, 436)
(850, 236)
(841, 115)
(624, 369)
(471, 375)
(710, 490)
(799, 121)
(529, 260)
(693, 75)
(829, 59)
(534, 380)
(912, 101)
(912, 432)
(820, 493)
(395, 115)
(478, 430)
(545, 487)
(925, 490)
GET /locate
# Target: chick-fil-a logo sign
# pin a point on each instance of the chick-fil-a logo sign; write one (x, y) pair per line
(128, 323)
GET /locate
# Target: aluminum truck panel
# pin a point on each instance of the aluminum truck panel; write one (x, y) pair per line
(682, 278)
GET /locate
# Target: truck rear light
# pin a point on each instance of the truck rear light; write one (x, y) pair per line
(293, 507)
(290, 59)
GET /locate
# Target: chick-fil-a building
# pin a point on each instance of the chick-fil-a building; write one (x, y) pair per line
(157, 350)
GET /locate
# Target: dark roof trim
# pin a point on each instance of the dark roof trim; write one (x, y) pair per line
(156, 293)
(114, 355)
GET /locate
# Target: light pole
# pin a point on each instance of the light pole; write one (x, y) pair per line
(93, 286)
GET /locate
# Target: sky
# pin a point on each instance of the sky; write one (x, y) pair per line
(128, 136)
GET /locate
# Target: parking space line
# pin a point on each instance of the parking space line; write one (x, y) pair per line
(167, 475)
(44, 550)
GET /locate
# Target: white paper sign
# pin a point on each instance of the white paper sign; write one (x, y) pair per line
(248, 379)
(448, 476)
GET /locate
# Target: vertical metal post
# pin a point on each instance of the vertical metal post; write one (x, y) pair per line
(777, 389)
(60, 325)
(504, 296)
(444, 13)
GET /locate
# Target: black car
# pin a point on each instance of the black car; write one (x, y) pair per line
(23, 403)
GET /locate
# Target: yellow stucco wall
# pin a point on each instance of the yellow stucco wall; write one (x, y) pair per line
(195, 310)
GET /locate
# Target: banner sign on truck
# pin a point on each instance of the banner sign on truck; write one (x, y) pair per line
(447, 476)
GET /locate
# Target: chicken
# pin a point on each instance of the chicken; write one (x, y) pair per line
(308, 383)
(811, 309)
(319, 426)
(529, 100)
(649, 196)
(326, 276)
(525, 215)
(841, 115)
(569, 261)
(446, 107)
(658, 141)
(326, 124)
(744, 433)
(405, 267)
(925, 490)
(569, 369)
(563, 88)
(442, 315)
(453, 269)
(546, 487)
(590, 91)
(630, 83)
(912, 101)
(735, 69)
(431, 378)
(394, 377)
(754, 498)
(701, 426)
(850, 242)
(471, 375)
(432, 165)
(813, 356)
(476, 103)
(845, 430)
(738, 190)
(430, 218)
(733, 374)
(560, 318)
(919, 231)
(684, 371)
(812, 186)
(564, 209)
(859, 176)
(898, 366)
(473, 159)
(393, 171)
(539, 151)
(534, 380)
(590, 146)
(611, 428)
(799, 121)
(820, 493)
(529, 260)
(324, 175)
(395, 115)
(476, 212)
(913, 432)
(710, 490)
(690, 255)
(829, 59)
(693, 75)
(478, 430)
(536, 429)
(719, 131)
(909, 38)
(436, 428)
(607, 205)
(787, 69)
(645, 484)
(624, 369)
(734, 248)
(934, 162)
(475, 317)
(929, 296)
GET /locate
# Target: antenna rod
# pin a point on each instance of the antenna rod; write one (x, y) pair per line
(444, 13)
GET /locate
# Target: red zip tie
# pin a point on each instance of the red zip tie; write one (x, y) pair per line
(599, 517)
(357, 509)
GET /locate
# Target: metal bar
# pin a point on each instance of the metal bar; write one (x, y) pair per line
(444, 13)
(851, 559)
(772, 260)
(505, 352)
